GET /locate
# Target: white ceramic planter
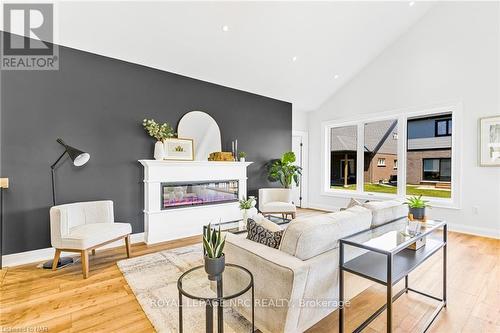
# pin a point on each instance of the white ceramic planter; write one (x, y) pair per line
(159, 153)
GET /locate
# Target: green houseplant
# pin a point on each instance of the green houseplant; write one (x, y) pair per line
(160, 132)
(417, 206)
(213, 246)
(242, 156)
(245, 206)
(284, 171)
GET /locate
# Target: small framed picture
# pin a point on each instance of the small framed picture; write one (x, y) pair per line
(179, 149)
(489, 141)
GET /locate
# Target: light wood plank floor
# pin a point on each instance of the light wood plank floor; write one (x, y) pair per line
(63, 302)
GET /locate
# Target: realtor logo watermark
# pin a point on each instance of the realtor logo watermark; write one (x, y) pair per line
(30, 25)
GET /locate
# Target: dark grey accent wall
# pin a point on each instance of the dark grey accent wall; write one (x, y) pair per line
(97, 104)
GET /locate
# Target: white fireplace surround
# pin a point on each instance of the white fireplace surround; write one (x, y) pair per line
(169, 224)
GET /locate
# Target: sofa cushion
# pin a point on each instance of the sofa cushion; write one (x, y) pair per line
(258, 233)
(307, 238)
(266, 223)
(278, 207)
(88, 235)
(385, 211)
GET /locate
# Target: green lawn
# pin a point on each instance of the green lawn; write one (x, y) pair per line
(410, 190)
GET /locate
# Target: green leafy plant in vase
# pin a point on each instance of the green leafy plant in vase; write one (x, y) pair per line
(213, 246)
(160, 132)
(242, 156)
(417, 206)
(284, 170)
(245, 206)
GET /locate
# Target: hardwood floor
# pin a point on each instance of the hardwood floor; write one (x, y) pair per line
(62, 301)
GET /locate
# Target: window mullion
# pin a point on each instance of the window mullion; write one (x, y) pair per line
(360, 180)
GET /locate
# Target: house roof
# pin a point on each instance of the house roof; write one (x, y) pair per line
(379, 137)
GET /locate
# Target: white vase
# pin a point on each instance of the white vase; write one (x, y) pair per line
(245, 217)
(159, 153)
(242, 159)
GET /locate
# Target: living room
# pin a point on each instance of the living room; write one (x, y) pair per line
(250, 166)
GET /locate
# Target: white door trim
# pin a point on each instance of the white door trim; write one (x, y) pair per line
(305, 165)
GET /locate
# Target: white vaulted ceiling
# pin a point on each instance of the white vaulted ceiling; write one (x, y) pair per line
(257, 51)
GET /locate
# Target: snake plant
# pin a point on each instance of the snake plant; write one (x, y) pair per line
(213, 242)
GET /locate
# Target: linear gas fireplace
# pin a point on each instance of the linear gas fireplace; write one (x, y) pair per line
(185, 194)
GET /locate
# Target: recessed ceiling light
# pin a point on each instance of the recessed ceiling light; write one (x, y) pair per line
(294, 58)
(336, 76)
(225, 28)
(411, 3)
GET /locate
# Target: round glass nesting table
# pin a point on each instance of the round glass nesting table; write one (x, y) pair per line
(193, 284)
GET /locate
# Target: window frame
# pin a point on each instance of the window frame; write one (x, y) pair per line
(447, 131)
(402, 115)
(381, 162)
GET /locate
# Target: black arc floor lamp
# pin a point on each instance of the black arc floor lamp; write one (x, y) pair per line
(79, 158)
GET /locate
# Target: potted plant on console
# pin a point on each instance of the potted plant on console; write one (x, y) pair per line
(160, 132)
(417, 207)
(213, 245)
(242, 156)
(285, 171)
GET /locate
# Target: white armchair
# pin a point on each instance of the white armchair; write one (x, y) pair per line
(276, 201)
(84, 226)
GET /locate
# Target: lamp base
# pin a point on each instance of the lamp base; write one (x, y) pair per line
(63, 262)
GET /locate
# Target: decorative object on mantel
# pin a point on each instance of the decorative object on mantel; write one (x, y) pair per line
(417, 208)
(221, 156)
(4, 184)
(234, 148)
(284, 170)
(179, 149)
(204, 131)
(242, 156)
(489, 138)
(245, 206)
(160, 132)
(213, 245)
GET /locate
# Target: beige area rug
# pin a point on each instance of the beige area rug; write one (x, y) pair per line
(153, 279)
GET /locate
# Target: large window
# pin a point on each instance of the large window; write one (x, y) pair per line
(367, 157)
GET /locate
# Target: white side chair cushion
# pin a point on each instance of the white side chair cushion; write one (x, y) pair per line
(88, 235)
(278, 207)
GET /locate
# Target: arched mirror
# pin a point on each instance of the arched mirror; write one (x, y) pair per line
(204, 131)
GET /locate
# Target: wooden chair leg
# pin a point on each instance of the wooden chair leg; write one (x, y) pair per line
(293, 216)
(127, 245)
(56, 259)
(85, 263)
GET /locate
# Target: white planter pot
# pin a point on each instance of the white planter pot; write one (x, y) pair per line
(242, 159)
(159, 153)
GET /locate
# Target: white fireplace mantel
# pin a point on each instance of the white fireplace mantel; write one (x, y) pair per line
(163, 225)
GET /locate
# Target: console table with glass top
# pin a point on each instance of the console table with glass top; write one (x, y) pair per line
(387, 260)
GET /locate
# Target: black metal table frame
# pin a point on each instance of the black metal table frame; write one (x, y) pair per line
(389, 284)
(218, 301)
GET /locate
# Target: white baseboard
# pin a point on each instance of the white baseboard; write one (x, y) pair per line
(475, 231)
(37, 256)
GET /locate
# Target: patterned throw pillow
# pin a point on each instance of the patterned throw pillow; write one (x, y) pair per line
(259, 234)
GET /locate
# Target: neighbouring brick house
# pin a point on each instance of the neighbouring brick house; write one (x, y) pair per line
(429, 151)
(380, 154)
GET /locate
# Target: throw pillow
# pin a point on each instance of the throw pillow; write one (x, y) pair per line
(354, 202)
(259, 234)
(266, 223)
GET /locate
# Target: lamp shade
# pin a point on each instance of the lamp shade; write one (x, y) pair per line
(78, 157)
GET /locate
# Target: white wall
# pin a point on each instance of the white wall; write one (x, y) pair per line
(451, 54)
